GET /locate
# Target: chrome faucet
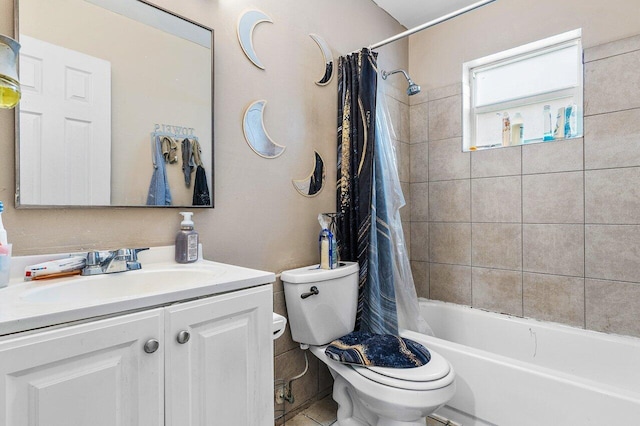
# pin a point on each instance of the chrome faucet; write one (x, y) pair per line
(108, 262)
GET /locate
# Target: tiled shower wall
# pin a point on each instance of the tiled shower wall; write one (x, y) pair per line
(549, 231)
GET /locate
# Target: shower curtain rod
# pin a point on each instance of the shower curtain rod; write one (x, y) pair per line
(431, 23)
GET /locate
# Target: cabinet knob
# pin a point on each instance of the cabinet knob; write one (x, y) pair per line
(151, 346)
(183, 337)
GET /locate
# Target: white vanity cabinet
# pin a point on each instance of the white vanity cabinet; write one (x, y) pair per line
(223, 374)
(131, 370)
(95, 374)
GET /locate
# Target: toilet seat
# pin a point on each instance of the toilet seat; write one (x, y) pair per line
(433, 375)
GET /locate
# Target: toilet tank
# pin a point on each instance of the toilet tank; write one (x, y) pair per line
(331, 313)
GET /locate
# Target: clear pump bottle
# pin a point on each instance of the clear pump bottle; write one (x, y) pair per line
(186, 240)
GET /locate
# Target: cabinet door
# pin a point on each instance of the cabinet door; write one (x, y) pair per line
(223, 375)
(94, 374)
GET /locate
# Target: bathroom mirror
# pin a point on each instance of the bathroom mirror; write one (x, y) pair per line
(109, 87)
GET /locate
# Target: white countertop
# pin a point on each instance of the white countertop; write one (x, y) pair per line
(35, 304)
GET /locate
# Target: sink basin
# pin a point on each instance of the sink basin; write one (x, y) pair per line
(122, 285)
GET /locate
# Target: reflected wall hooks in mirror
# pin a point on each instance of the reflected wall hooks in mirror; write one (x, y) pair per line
(328, 60)
(246, 25)
(313, 184)
(256, 134)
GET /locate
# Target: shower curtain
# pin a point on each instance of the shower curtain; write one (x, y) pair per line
(356, 132)
(368, 200)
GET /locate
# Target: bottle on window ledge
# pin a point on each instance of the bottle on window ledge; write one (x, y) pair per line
(506, 129)
(517, 129)
(548, 135)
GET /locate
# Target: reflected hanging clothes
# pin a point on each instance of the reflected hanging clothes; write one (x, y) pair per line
(169, 150)
(188, 163)
(159, 193)
(200, 187)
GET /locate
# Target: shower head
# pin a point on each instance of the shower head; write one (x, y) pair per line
(413, 88)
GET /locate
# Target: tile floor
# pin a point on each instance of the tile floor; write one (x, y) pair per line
(322, 412)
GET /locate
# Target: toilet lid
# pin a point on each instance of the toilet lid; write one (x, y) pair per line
(432, 375)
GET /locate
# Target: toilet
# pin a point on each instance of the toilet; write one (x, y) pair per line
(321, 304)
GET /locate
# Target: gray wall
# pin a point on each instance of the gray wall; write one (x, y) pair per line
(549, 231)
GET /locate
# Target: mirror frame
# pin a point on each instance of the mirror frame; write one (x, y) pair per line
(18, 205)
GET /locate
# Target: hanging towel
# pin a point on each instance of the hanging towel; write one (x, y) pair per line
(201, 189)
(197, 152)
(188, 164)
(159, 193)
(379, 350)
(169, 150)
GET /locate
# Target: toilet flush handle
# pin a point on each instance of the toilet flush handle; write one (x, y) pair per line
(312, 291)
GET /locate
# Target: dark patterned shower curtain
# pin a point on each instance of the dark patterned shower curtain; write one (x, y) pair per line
(357, 86)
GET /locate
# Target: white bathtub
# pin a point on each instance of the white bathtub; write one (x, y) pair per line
(519, 372)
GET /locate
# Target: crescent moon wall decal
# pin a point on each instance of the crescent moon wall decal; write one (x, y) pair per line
(246, 24)
(255, 133)
(312, 184)
(328, 60)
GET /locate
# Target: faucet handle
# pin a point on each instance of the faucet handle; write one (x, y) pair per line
(93, 258)
(134, 253)
(93, 266)
(123, 253)
(131, 257)
(96, 257)
(128, 254)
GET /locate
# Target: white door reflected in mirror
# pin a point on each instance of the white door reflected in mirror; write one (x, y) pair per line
(65, 126)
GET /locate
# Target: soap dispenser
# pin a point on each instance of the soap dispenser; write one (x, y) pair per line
(186, 240)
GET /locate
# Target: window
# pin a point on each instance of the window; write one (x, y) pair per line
(532, 93)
